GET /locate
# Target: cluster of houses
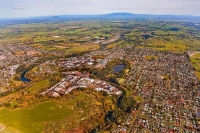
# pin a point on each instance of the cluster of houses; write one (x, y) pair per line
(22, 53)
(11, 56)
(169, 87)
(170, 90)
(8, 63)
(12, 69)
(124, 127)
(7, 57)
(74, 62)
(74, 80)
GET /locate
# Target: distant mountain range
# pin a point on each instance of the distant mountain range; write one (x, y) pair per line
(148, 16)
(111, 16)
(125, 15)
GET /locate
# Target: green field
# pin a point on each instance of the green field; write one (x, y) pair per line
(195, 59)
(31, 120)
(39, 85)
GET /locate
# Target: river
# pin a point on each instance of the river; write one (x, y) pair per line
(23, 76)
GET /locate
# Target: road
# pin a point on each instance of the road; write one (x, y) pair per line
(2, 129)
(141, 106)
(136, 117)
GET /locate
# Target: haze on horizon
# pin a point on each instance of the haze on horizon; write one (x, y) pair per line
(31, 8)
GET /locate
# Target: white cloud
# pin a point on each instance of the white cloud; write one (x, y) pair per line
(19, 8)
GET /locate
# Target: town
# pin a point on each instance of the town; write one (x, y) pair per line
(166, 81)
(100, 75)
(169, 88)
(76, 62)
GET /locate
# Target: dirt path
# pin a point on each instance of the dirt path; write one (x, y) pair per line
(2, 127)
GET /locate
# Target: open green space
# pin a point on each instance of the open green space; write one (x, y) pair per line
(39, 85)
(195, 59)
(31, 120)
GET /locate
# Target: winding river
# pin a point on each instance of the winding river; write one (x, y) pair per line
(23, 76)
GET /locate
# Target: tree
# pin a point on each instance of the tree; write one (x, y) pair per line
(17, 78)
(15, 106)
(7, 105)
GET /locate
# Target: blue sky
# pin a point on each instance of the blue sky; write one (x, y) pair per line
(29, 8)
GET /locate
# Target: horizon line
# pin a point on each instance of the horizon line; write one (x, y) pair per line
(186, 15)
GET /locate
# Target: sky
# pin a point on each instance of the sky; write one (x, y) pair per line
(30, 8)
